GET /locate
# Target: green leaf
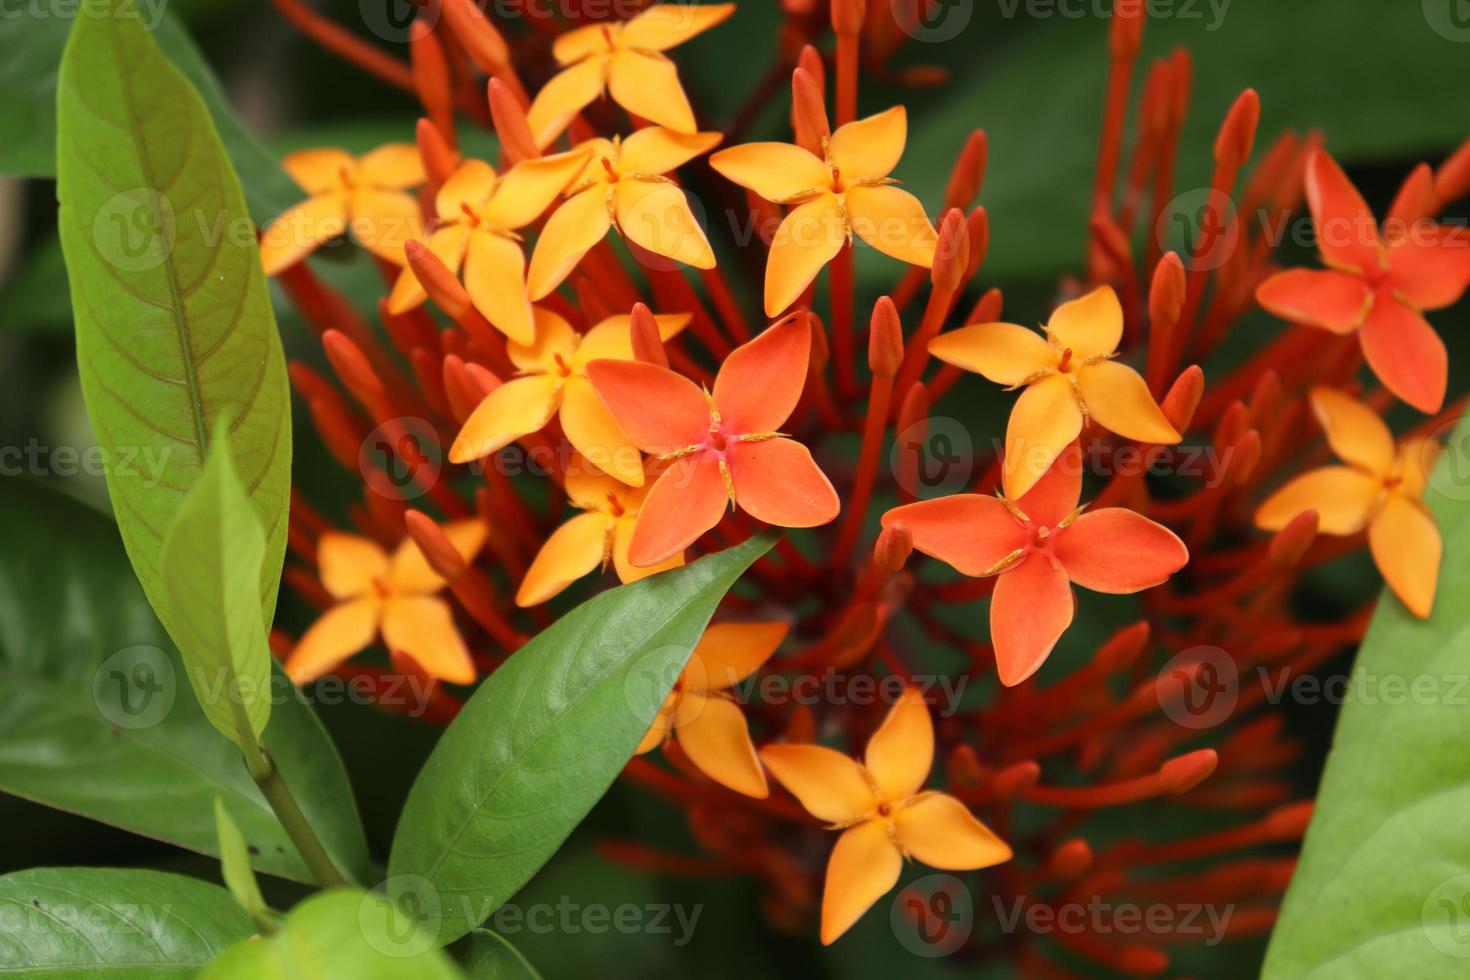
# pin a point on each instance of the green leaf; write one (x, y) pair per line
(487, 955)
(1383, 884)
(344, 933)
(234, 856)
(543, 738)
(31, 41)
(96, 719)
(122, 922)
(173, 320)
(210, 567)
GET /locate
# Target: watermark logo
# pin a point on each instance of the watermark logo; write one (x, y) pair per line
(134, 230)
(1446, 917)
(1447, 461)
(392, 20)
(1450, 19)
(933, 916)
(932, 23)
(1200, 225)
(135, 687)
(404, 919)
(1198, 687)
(401, 459)
(933, 457)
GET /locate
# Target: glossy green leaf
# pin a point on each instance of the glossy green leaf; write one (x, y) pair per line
(486, 955)
(32, 37)
(97, 718)
(1383, 885)
(119, 922)
(234, 857)
(173, 321)
(544, 737)
(344, 933)
(210, 570)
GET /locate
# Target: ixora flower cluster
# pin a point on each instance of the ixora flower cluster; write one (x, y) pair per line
(513, 318)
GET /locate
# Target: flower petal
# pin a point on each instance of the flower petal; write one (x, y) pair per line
(565, 95)
(941, 832)
(1325, 298)
(1005, 353)
(685, 501)
(528, 188)
(647, 84)
(1054, 497)
(666, 25)
(336, 635)
(319, 170)
(1342, 496)
(578, 43)
(1416, 458)
(713, 733)
(863, 868)
(1430, 266)
(656, 216)
(384, 221)
(1407, 549)
(969, 531)
(298, 231)
(627, 571)
(662, 412)
(613, 337)
(1117, 551)
(1405, 353)
(423, 628)
(829, 784)
(349, 565)
(871, 147)
(774, 171)
(761, 381)
(901, 752)
(778, 482)
(470, 185)
(1088, 326)
(409, 572)
(448, 243)
(554, 337)
(1354, 431)
(591, 430)
(1029, 611)
(1118, 399)
(580, 223)
(392, 166)
(728, 653)
(663, 724)
(516, 408)
(1044, 421)
(655, 150)
(805, 241)
(1347, 232)
(495, 278)
(573, 550)
(893, 221)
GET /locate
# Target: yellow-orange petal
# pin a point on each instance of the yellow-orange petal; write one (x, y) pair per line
(728, 653)
(613, 337)
(656, 216)
(1354, 431)
(573, 550)
(1005, 353)
(778, 482)
(1342, 496)
(622, 539)
(901, 752)
(647, 84)
(893, 221)
(576, 44)
(1044, 421)
(713, 733)
(423, 627)
(516, 408)
(336, 635)
(319, 170)
(1416, 458)
(809, 237)
(1089, 326)
(384, 221)
(392, 166)
(1407, 549)
(665, 25)
(470, 185)
(565, 95)
(774, 171)
(685, 501)
(871, 147)
(663, 724)
(576, 226)
(655, 150)
(349, 565)
(1118, 399)
(590, 428)
(495, 278)
(448, 244)
(940, 831)
(409, 572)
(528, 188)
(555, 337)
(864, 866)
(829, 784)
(298, 231)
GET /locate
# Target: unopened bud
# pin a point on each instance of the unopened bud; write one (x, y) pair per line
(885, 339)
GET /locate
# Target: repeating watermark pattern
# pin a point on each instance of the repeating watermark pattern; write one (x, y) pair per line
(1445, 917)
(35, 458)
(147, 12)
(1099, 916)
(33, 925)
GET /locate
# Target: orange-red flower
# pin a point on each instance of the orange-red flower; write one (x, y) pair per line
(625, 59)
(845, 192)
(479, 214)
(1377, 284)
(591, 540)
(1039, 545)
(552, 380)
(701, 715)
(361, 195)
(1069, 377)
(883, 811)
(392, 594)
(722, 446)
(1379, 489)
(624, 185)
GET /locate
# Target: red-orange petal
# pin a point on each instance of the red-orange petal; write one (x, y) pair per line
(1029, 612)
(1323, 298)
(1430, 266)
(1347, 232)
(1405, 352)
(1056, 494)
(1115, 550)
(662, 412)
(688, 499)
(760, 382)
(970, 531)
(777, 481)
